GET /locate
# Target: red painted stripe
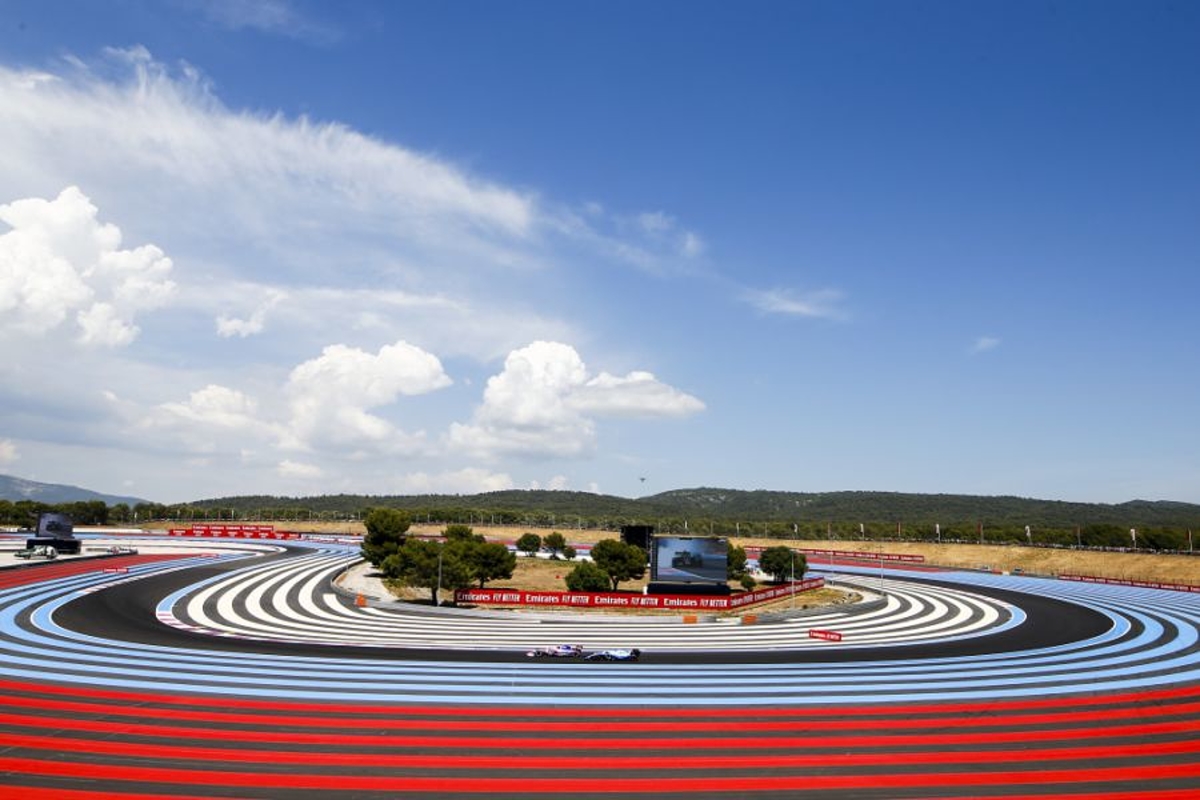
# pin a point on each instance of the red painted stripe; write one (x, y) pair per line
(658, 722)
(25, 576)
(658, 784)
(14, 791)
(514, 761)
(271, 734)
(987, 708)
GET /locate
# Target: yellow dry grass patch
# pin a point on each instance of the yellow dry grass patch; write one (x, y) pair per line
(1031, 560)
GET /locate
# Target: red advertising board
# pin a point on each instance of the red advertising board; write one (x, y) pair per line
(864, 555)
(233, 532)
(619, 600)
(829, 636)
(1175, 587)
(859, 555)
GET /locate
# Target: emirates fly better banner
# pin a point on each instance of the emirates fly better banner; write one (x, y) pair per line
(515, 597)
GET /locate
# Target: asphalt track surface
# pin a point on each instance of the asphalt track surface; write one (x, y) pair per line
(1077, 690)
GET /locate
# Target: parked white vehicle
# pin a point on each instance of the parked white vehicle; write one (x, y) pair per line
(41, 551)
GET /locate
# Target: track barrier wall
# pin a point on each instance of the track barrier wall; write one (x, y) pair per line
(1175, 587)
(516, 597)
(233, 532)
(865, 555)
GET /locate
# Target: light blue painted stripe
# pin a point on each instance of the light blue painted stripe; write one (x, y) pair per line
(527, 682)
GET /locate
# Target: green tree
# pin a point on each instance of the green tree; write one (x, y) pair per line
(489, 561)
(85, 512)
(386, 528)
(735, 562)
(747, 581)
(555, 542)
(430, 565)
(529, 543)
(782, 563)
(622, 562)
(587, 577)
(144, 512)
(461, 533)
(25, 513)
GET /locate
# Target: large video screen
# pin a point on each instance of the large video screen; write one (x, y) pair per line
(689, 560)
(53, 524)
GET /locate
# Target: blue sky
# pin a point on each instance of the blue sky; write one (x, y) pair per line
(305, 248)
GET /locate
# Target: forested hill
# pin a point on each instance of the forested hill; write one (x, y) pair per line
(920, 508)
(730, 505)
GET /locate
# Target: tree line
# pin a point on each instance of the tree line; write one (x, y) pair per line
(1008, 521)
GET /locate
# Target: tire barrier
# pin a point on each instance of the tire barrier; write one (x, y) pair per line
(270, 685)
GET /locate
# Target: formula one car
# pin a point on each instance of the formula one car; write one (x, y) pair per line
(686, 558)
(618, 654)
(557, 651)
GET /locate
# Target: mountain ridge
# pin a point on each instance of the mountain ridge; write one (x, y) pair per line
(764, 505)
(849, 506)
(16, 489)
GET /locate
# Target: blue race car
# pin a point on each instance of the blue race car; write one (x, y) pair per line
(616, 654)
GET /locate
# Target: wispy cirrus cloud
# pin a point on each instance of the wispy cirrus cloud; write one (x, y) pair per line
(275, 17)
(983, 344)
(818, 304)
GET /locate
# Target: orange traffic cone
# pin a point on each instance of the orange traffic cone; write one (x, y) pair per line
(360, 601)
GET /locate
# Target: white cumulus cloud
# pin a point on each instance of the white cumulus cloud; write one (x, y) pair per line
(217, 406)
(212, 419)
(331, 395)
(638, 394)
(471, 480)
(59, 262)
(297, 469)
(543, 403)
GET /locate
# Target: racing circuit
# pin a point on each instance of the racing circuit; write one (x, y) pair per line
(235, 669)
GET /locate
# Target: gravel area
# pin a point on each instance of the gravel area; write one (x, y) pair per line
(364, 579)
